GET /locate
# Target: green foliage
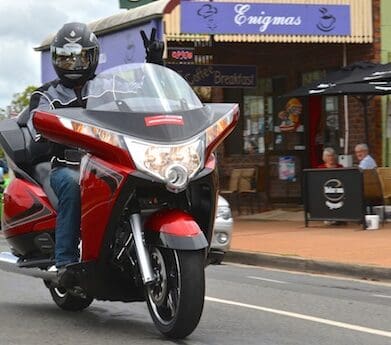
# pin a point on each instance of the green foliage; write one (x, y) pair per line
(22, 99)
(2, 117)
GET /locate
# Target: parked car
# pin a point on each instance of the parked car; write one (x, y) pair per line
(222, 233)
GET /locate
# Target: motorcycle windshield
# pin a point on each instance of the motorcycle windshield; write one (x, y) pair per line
(141, 88)
(145, 101)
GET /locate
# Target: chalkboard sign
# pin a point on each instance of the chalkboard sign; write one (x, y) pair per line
(333, 194)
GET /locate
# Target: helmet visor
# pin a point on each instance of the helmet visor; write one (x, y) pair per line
(73, 57)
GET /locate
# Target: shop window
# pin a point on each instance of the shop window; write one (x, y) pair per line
(258, 115)
(232, 144)
(312, 76)
(287, 155)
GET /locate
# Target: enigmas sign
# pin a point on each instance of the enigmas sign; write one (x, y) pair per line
(264, 18)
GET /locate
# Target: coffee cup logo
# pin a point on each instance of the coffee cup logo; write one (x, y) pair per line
(334, 192)
(327, 20)
(208, 12)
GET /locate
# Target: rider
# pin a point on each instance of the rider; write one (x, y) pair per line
(75, 56)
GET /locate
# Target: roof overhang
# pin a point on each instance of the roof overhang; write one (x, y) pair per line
(123, 20)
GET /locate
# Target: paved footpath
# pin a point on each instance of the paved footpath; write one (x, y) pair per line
(274, 243)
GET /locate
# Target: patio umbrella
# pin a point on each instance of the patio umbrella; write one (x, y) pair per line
(376, 72)
(362, 91)
(358, 72)
(349, 74)
(352, 89)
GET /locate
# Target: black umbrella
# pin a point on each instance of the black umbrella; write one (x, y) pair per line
(357, 72)
(352, 89)
(363, 88)
(362, 91)
(378, 72)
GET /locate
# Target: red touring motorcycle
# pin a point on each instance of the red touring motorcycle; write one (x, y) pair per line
(148, 189)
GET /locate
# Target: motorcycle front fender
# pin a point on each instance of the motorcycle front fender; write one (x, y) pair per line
(174, 229)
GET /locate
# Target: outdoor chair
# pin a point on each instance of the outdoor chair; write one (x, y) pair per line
(231, 193)
(385, 182)
(373, 193)
(247, 189)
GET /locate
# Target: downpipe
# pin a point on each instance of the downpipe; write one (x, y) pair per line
(144, 260)
(9, 263)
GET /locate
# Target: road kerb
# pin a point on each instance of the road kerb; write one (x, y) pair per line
(309, 265)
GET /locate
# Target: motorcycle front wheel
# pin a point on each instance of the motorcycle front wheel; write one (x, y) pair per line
(176, 299)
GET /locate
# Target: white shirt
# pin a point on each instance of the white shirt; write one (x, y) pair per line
(367, 163)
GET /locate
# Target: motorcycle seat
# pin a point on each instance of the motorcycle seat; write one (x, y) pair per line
(41, 174)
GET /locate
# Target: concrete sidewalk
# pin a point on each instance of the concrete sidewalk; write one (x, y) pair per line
(279, 239)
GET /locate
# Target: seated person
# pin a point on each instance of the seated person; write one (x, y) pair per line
(364, 159)
(329, 159)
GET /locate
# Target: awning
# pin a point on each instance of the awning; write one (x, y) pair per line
(361, 25)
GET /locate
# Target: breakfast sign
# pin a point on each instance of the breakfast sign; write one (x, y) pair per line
(264, 18)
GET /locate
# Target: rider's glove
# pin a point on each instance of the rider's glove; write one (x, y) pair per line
(153, 48)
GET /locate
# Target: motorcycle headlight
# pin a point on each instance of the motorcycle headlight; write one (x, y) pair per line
(92, 131)
(214, 131)
(173, 164)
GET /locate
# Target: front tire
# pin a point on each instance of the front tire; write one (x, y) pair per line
(66, 301)
(175, 301)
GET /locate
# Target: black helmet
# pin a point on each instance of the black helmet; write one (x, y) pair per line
(75, 53)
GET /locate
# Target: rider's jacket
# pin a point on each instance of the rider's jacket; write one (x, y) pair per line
(54, 95)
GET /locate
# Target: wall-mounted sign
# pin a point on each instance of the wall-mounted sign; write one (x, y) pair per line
(218, 75)
(180, 54)
(264, 18)
(133, 3)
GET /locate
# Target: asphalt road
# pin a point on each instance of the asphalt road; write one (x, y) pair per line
(244, 305)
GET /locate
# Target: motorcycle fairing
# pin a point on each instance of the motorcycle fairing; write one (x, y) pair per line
(54, 130)
(26, 209)
(173, 222)
(101, 183)
(134, 124)
(176, 229)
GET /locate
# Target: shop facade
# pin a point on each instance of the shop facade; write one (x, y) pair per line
(281, 135)
(255, 66)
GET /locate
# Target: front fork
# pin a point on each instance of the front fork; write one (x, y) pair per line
(144, 260)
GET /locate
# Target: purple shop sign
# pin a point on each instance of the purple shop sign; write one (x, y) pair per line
(268, 19)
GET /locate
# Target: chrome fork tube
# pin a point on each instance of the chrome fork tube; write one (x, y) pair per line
(147, 273)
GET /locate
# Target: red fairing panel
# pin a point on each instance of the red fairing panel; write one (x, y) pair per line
(212, 146)
(173, 222)
(101, 183)
(51, 128)
(26, 209)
